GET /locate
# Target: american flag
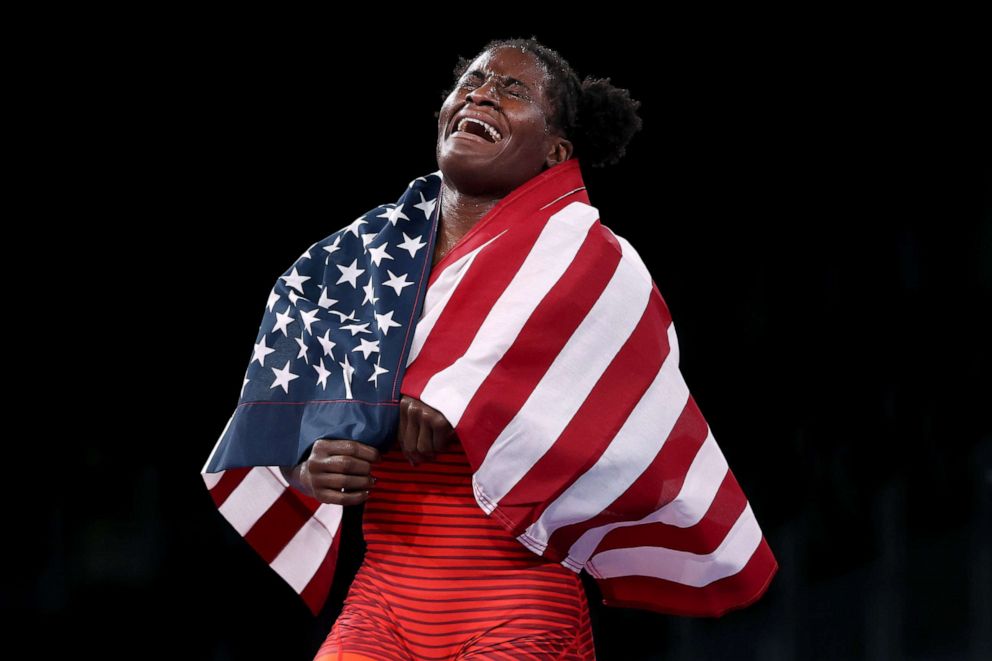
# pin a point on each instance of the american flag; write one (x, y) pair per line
(545, 343)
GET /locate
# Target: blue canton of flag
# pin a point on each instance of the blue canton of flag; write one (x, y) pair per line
(331, 350)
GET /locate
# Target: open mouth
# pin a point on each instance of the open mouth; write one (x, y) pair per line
(469, 127)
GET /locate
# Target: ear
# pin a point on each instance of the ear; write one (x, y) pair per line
(561, 151)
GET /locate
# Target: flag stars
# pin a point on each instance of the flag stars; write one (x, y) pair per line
(350, 274)
(273, 297)
(394, 215)
(385, 322)
(427, 206)
(261, 351)
(346, 372)
(378, 370)
(397, 282)
(295, 280)
(283, 377)
(308, 317)
(369, 290)
(322, 373)
(303, 349)
(353, 228)
(413, 245)
(327, 343)
(284, 319)
(331, 249)
(379, 253)
(357, 328)
(325, 300)
(367, 348)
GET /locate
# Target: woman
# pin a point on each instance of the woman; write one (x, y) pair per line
(543, 428)
(524, 606)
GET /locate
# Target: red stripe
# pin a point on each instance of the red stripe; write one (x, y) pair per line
(470, 304)
(228, 482)
(702, 538)
(657, 486)
(714, 599)
(541, 339)
(316, 592)
(595, 424)
(280, 523)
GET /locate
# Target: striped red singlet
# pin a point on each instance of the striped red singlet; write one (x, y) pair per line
(441, 580)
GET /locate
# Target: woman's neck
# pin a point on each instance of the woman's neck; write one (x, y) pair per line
(459, 213)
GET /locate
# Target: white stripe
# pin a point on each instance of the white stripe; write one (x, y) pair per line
(450, 390)
(703, 479)
(567, 383)
(438, 295)
(250, 499)
(681, 566)
(211, 479)
(627, 456)
(303, 555)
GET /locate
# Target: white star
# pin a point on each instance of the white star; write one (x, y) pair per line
(323, 373)
(285, 319)
(378, 370)
(273, 297)
(308, 318)
(368, 238)
(295, 280)
(334, 246)
(413, 245)
(283, 377)
(385, 322)
(357, 328)
(346, 371)
(394, 214)
(350, 274)
(345, 317)
(427, 206)
(325, 300)
(367, 347)
(293, 297)
(397, 282)
(369, 293)
(379, 253)
(261, 351)
(303, 350)
(353, 228)
(327, 343)
(243, 387)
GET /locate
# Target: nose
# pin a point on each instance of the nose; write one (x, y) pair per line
(484, 93)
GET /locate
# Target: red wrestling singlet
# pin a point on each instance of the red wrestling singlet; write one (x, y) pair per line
(441, 580)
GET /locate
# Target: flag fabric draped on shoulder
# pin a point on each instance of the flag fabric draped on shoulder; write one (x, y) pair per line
(328, 361)
(546, 344)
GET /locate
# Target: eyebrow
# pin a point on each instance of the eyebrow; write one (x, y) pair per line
(509, 79)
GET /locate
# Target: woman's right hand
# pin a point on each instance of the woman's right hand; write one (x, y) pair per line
(338, 472)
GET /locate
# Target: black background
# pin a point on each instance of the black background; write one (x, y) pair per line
(813, 206)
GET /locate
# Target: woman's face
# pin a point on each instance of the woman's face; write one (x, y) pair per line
(504, 88)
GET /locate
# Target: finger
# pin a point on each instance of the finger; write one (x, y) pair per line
(346, 465)
(336, 497)
(337, 482)
(425, 439)
(330, 447)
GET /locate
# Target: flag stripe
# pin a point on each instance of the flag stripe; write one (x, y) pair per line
(626, 457)
(253, 496)
(274, 530)
(593, 426)
(683, 567)
(571, 377)
(300, 559)
(438, 296)
(451, 388)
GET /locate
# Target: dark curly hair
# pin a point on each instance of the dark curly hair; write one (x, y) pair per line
(598, 118)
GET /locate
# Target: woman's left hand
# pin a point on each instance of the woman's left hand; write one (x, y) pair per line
(423, 430)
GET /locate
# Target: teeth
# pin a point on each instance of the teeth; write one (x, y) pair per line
(496, 136)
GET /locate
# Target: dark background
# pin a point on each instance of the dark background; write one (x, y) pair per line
(813, 207)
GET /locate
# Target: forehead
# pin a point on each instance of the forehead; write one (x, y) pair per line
(513, 62)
